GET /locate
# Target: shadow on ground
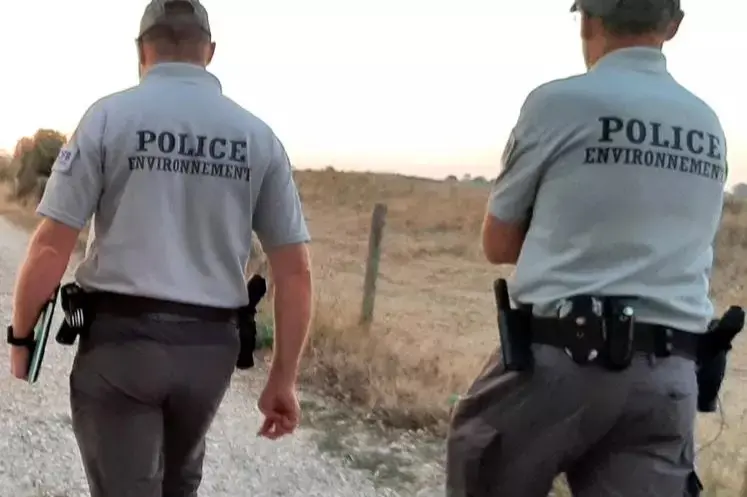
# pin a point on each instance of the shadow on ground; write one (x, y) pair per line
(404, 461)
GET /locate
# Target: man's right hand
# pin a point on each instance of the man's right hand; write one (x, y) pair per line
(279, 404)
(19, 361)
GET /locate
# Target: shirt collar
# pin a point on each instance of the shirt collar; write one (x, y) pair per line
(645, 59)
(182, 71)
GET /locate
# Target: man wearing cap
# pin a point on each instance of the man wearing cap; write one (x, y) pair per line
(176, 177)
(608, 204)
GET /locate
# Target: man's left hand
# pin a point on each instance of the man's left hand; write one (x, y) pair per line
(19, 361)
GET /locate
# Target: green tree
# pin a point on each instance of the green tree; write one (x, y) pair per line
(33, 158)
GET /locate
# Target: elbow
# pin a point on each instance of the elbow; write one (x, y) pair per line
(294, 291)
(299, 279)
(49, 260)
(500, 254)
(493, 256)
(53, 242)
(290, 268)
(501, 242)
(49, 256)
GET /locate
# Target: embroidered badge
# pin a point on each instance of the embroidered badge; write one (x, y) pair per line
(64, 161)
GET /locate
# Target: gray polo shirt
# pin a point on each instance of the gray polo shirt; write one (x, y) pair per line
(176, 176)
(622, 170)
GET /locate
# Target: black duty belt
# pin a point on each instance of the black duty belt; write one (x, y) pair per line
(647, 338)
(136, 306)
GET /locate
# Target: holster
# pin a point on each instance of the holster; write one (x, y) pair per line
(713, 350)
(256, 288)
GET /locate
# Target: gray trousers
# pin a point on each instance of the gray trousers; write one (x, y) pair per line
(143, 393)
(621, 434)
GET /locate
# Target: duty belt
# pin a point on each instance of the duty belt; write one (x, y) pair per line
(648, 338)
(135, 306)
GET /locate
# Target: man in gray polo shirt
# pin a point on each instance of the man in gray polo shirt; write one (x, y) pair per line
(612, 186)
(176, 177)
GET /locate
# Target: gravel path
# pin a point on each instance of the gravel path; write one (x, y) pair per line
(39, 457)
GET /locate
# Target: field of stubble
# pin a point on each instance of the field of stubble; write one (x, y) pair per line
(435, 320)
(435, 314)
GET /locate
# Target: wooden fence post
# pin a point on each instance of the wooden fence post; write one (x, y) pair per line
(378, 220)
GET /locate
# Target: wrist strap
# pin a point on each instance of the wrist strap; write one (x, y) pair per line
(27, 341)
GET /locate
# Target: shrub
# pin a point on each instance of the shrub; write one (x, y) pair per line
(33, 160)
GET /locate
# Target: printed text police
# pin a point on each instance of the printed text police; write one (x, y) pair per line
(183, 153)
(652, 144)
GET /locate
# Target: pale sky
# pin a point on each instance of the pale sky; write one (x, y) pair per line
(424, 87)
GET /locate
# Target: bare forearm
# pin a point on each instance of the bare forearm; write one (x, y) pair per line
(293, 296)
(39, 275)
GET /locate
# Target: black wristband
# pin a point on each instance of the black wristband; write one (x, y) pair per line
(20, 342)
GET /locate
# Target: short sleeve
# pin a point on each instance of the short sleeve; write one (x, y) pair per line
(525, 157)
(74, 186)
(278, 217)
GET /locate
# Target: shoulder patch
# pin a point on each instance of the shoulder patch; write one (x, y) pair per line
(64, 161)
(507, 158)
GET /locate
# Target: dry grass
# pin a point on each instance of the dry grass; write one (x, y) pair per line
(435, 320)
(435, 315)
(20, 213)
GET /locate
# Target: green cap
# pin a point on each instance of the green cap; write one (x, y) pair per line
(173, 13)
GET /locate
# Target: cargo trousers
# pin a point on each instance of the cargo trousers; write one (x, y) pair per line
(613, 434)
(143, 393)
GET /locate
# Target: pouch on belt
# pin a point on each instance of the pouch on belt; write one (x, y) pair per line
(514, 330)
(77, 311)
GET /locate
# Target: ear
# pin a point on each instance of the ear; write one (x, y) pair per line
(589, 26)
(674, 26)
(140, 56)
(211, 53)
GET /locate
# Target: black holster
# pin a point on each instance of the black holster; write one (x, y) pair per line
(256, 288)
(713, 350)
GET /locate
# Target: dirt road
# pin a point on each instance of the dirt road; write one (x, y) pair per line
(39, 457)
